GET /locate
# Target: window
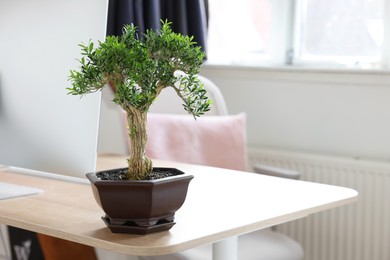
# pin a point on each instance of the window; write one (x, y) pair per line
(330, 32)
(239, 30)
(339, 31)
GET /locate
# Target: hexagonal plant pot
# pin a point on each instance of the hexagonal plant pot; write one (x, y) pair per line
(140, 207)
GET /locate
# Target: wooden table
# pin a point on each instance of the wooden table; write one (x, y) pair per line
(220, 204)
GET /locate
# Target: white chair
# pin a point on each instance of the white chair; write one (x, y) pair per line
(266, 244)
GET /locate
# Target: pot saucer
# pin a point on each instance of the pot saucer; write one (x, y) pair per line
(130, 227)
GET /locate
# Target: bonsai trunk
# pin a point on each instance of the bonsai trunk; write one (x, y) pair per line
(139, 164)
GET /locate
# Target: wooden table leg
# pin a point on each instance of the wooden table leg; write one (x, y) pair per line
(59, 249)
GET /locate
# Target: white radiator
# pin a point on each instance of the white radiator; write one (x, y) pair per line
(360, 231)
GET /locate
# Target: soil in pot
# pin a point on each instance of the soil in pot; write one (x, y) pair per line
(119, 174)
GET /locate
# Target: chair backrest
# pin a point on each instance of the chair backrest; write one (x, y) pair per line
(215, 139)
(113, 126)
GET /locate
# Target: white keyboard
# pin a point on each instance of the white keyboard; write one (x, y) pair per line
(8, 191)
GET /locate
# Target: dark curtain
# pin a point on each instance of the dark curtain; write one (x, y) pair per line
(188, 17)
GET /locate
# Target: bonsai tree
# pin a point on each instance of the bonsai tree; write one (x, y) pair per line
(139, 68)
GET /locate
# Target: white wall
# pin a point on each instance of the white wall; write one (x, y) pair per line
(337, 112)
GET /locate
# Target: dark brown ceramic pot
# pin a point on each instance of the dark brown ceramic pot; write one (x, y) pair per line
(140, 207)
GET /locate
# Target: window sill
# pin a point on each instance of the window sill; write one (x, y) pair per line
(297, 74)
(322, 69)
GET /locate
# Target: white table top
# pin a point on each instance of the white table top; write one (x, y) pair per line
(220, 204)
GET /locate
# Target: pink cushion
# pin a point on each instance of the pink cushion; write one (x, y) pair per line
(218, 141)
